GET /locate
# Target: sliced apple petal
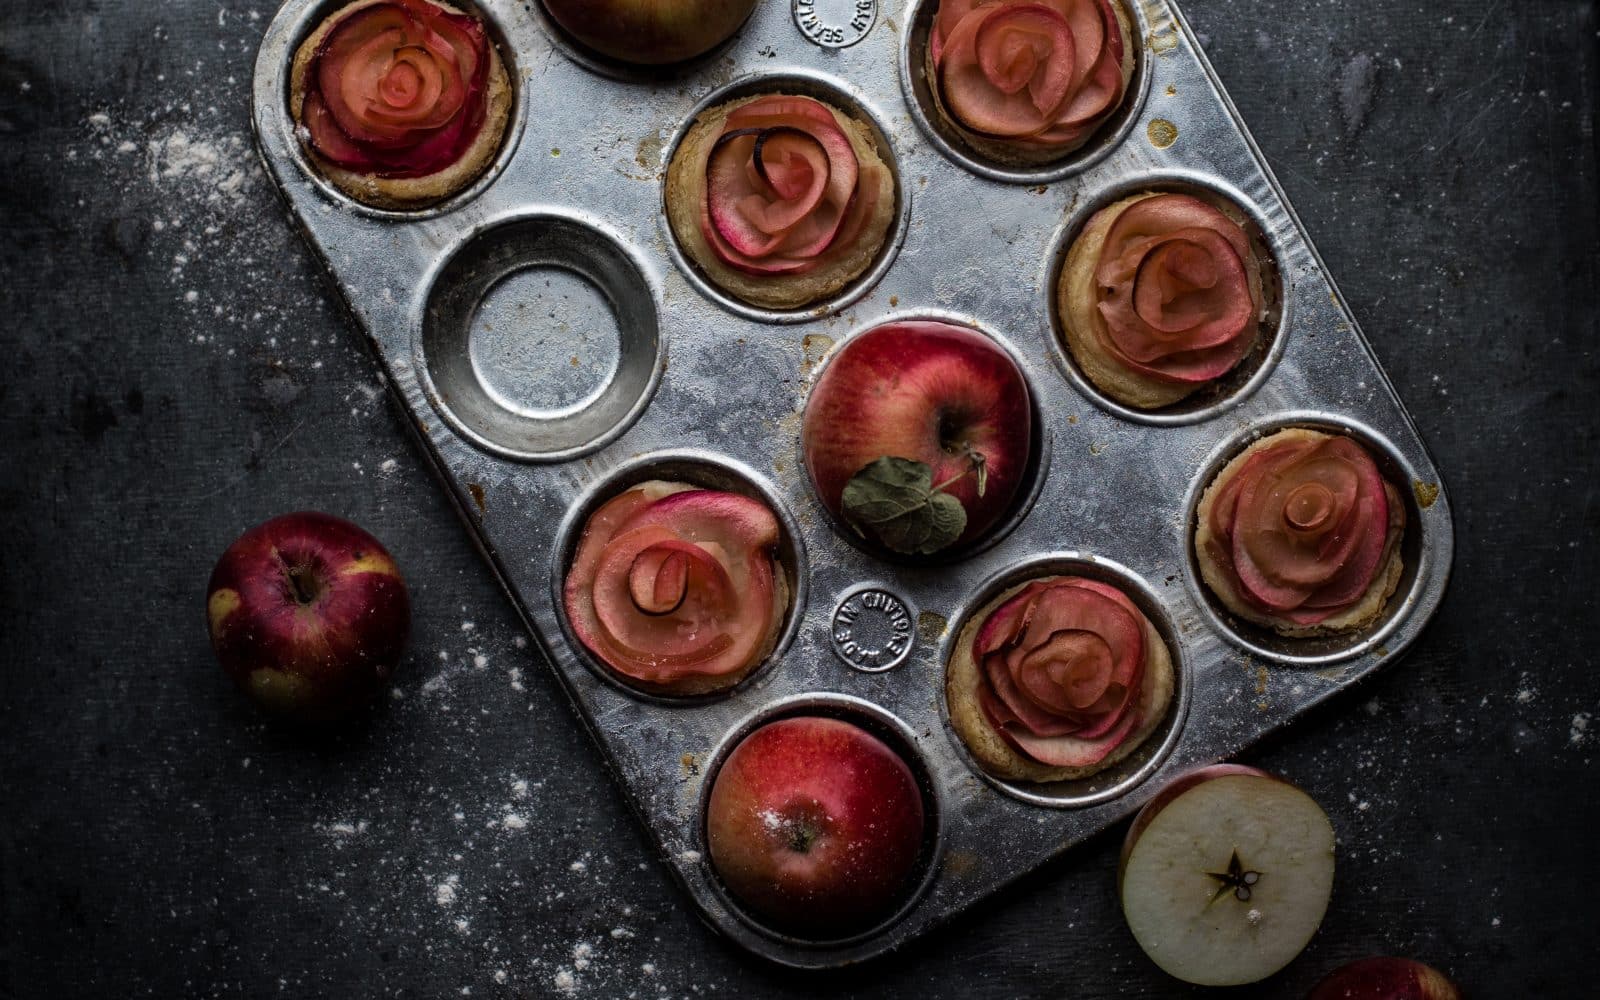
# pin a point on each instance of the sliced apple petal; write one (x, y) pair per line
(1226, 877)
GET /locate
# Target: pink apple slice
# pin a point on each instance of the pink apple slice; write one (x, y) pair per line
(972, 60)
(1226, 875)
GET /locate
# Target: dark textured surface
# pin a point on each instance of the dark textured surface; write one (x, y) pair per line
(176, 372)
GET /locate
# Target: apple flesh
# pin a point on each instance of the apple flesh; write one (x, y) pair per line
(651, 32)
(930, 392)
(309, 616)
(1386, 979)
(816, 826)
(1226, 874)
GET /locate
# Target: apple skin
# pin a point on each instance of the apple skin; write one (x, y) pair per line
(651, 32)
(1385, 979)
(815, 825)
(1169, 792)
(309, 615)
(922, 390)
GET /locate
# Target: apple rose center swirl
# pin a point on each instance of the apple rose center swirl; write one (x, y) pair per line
(1304, 527)
(1046, 72)
(783, 191)
(398, 89)
(1061, 666)
(1176, 301)
(671, 583)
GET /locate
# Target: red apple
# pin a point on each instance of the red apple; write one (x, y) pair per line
(1226, 874)
(929, 392)
(308, 615)
(1385, 979)
(651, 32)
(816, 826)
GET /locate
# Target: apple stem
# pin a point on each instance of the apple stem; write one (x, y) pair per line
(305, 586)
(978, 466)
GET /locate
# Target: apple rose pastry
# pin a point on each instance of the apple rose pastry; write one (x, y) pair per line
(1301, 533)
(400, 103)
(678, 589)
(1057, 679)
(1161, 295)
(1028, 81)
(780, 200)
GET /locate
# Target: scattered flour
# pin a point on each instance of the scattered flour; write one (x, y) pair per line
(1579, 733)
(445, 892)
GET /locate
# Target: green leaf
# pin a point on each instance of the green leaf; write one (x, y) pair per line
(894, 500)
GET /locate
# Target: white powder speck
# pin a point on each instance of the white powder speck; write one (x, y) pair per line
(1579, 733)
(389, 465)
(513, 821)
(1254, 917)
(519, 788)
(516, 679)
(566, 982)
(191, 296)
(100, 120)
(1524, 696)
(468, 626)
(445, 892)
(500, 975)
(463, 928)
(479, 661)
(618, 933)
(689, 857)
(521, 642)
(648, 968)
(578, 866)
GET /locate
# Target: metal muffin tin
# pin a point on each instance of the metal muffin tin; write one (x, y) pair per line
(552, 345)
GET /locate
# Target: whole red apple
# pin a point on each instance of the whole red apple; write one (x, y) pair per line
(308, 615)
(1386, 979)
(651, 32)
(816, 825)
(941, 396)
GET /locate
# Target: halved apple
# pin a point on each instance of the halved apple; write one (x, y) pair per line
(1226, 874)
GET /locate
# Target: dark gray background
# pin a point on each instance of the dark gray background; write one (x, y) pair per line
(176, 371)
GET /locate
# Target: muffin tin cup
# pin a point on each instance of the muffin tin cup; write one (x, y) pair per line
(1033, 473)
(1253, 370)
(1121, 777)
(948, 139)
(830, 91)
(1416, 553)
(701, 469)
(278, 122)
(892, 731)
(453, 301)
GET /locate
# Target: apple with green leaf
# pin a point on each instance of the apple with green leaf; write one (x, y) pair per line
(816, 825)
(918, 435)
(651, 32)
(1386, 979)
(1226, 874)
